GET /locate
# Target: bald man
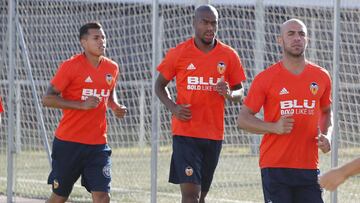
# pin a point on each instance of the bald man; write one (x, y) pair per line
(296, 97)
(207, 72)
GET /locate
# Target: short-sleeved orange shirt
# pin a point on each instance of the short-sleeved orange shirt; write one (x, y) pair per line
(301, 97)
(77, 79)
(196, 75)
(1, 107)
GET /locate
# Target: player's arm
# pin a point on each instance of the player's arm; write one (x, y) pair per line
(325, 127)
(182, 112)
(333, 178)
(1, 110)
(249, 122)
(53, 99)
(234, 94)
(118, 109)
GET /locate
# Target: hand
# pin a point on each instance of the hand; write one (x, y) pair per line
(284, 125)
(90, 103)
(222, 87)
(182, 112)
(323, 143)
(119, 110)
(332, 179)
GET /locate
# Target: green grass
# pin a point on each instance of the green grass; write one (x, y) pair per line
(237, 177)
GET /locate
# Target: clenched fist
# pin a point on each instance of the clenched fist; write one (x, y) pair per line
(119, 110)
(90, 103)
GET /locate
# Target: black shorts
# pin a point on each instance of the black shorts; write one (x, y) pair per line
(194, 161)
(291, 185)
(70, 160)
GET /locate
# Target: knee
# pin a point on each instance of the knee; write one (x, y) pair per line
(190, 192)
(54, 198)
(190, 196)
(101, 197)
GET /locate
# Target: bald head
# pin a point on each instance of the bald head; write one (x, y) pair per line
(293, 38)
(206, 8)
(205, 25)
(285, 26)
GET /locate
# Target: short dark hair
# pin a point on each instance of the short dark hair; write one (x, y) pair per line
(85, 28)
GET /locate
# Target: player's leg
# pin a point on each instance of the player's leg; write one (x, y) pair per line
(54, 198)
(185, 167)
(212, 149)
(276, 185)
(309, 191)
(100, 197)
(66, 169)
(96, 176)
(190, 192)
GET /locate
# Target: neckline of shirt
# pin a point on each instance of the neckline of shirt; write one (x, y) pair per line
(89, 65)
(217, 45)
(303, 72)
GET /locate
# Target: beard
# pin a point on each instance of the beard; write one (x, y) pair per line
(295, 54)
(207, 42)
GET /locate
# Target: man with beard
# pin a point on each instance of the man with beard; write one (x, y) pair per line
(207, 72)
(296, 97)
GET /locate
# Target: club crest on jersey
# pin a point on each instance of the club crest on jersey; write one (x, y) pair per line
(221, 67)
(314, 88)
(189, 171)
(108, 78)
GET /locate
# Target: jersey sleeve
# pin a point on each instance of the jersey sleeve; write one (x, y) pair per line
(236, 74)
(1, 106)
(256, 96)
(325, 99)
(166, 67)
(62, 77)
(117, 76)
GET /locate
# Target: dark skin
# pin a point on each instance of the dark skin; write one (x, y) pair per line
(205, 25)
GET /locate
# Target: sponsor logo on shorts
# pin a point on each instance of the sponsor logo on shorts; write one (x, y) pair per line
(55, 184)
(107, 171)
(189, 171)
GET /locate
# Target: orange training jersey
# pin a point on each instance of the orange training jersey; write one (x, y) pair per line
(301, 97)
(196, 75)
(1, 107)
(77, 79)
